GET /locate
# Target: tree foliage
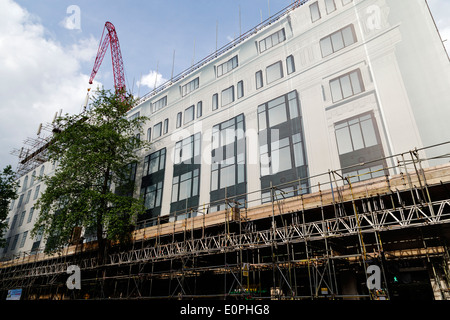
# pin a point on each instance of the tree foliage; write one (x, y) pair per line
(91, 185)
(8, 192)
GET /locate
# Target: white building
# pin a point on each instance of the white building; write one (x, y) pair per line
(329, 84)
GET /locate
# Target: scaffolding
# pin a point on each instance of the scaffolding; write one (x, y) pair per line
(33, 153)
(305, 244)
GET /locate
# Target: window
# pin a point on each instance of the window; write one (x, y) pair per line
(281, 143)
(36, 192)
(24, 238)
(134, 116)
(149, 134)
(274, 72)
(5, 249)
(199, 109)
(16, 238)
(41, 172)
(346, 85)
(13, 224)
(315, 12)
(272, 40)
(290, 64)
(33, 176)
(359, 147)
(186, 173)
(187, 149)
(259, 79)
(189, 114)
(227, 66)
(20, 200)
(240, 89)
(189, 87)
(179, 116)
(30, 215)
(228, 161)
(157, 130)
(365, 173)
(227, 96)
(161, 103)
(355, 134)
(185, 185)
(215, 101)
(344, 2)
(22, 216)
(338, 40)
(155, 162)
(330, 6)
(152, 186)
(152, 195)
(25, 182)
(27, 199)
(166, 126)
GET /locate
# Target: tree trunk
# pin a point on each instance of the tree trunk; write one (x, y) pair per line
(103, 207)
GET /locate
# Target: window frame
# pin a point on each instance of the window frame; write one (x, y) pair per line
(227, 96)
(259, 79)
(190, 111)
(280, 69)
(190, 86)
(315, 6)
(157, 130)
(179, 119)
(340, 79)
(267, 43)
(329, 38)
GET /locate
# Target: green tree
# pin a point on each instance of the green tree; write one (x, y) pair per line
(91, 186)
(8, 192)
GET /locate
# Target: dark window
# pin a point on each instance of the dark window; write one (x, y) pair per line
(166, 126)
(215, 101)
(290, 64)
(259, 79)
(359, 147)
(179, 121)
(155, 162)
(186, 173)
(228, 171)
(240, 89)
(152, 187)
(199, 109)
(282, 147)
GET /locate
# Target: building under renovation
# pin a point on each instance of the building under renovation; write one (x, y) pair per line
(306, 159)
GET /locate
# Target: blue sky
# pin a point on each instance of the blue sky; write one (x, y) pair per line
(150, 31)
(45, 61)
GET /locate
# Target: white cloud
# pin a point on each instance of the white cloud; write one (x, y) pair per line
(38, 77)
(151, 80)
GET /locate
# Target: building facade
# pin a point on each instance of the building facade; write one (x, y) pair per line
(330, 84)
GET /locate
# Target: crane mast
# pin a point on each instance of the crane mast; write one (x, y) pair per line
(110, 38)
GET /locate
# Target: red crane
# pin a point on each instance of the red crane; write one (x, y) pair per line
(117, 62)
